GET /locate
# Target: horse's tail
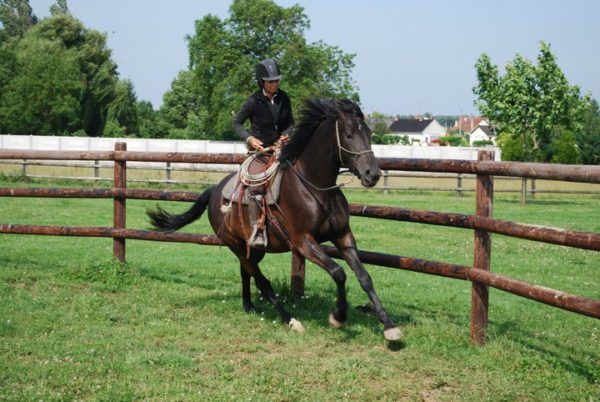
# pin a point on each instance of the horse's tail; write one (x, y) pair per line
(163, 221)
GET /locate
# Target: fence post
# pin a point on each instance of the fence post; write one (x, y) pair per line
(482, 254)
(120, 183)
(459, 185)
(386, 188)
(533, 188)
(523, 190)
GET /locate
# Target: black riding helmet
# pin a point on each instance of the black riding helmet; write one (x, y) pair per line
(267, 70)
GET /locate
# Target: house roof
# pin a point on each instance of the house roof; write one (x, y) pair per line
(410, 125)
(469, 123)
(486, 129)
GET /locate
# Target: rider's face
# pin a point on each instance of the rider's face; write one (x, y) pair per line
(271, 86)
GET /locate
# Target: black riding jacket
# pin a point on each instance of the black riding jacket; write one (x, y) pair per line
(269, 120)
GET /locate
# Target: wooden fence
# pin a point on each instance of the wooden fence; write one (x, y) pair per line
(206, 174)
(482, 223)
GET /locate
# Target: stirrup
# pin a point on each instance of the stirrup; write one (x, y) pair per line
(258, 238)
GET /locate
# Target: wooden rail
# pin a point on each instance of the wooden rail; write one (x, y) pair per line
(481, 222)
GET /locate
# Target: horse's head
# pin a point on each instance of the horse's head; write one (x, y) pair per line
(354, 143)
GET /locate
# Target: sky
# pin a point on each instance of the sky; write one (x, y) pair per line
(411, 57)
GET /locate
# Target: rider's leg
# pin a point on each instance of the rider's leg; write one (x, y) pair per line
(258, 235)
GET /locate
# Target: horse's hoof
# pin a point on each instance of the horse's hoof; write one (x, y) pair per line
(392, 334)
(296, 325)
(335, 323)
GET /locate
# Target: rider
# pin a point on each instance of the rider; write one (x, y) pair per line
(270, 112)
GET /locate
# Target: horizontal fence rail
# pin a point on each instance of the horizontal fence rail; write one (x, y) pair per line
(481, 223)
(563, 237)
(545, 295)
(154, 169)
(575, 173)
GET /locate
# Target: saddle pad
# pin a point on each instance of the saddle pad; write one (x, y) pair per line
(233, 186)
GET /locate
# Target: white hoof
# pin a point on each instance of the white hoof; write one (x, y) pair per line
(335, 323)
(392, 334)
(296, 326)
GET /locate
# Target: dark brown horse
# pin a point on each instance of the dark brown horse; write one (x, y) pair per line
(311, 208)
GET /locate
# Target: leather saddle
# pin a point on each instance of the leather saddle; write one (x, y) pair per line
(235, 186)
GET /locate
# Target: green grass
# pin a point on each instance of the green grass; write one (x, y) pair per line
(168, 324)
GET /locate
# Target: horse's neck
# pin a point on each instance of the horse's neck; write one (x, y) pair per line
(319, 162)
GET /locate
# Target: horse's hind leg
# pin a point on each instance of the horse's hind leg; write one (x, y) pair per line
(255, 258)
(251, 268)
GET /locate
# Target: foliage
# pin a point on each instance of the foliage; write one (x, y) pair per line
(223, 54)
(58, 79)
(588, 138)
(123, 110)
(60, 8)
(389, 139)
(16, 17)
(379, 123)
(44, 96)
(528, 101)
(447, 120)
(482, 143)
(454, 140)
(511, 146)
(148, 121)
(563, 147)
(180, 105)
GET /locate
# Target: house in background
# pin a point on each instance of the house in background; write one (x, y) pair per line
(483, 132)
(421, 131)
(466, 124)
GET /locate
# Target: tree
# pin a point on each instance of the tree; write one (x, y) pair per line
(148, 123)
(563, 147)
(16, 17)
(99, 72)
(123, 110)
(223, 54)
(63, 74)
(60, 8)
(379, 123)
(180, 107)
(43, 98)
(528, 102)
(588, 138)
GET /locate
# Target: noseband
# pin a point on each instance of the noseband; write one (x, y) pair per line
(341, 148)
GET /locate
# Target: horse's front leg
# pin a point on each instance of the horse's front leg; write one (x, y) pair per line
(312, 250)
(347, 245)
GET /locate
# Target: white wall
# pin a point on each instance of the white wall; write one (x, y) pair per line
(54, 143)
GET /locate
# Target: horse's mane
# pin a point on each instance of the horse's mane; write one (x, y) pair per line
(312, 114)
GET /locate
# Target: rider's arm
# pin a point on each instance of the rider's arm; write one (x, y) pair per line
(244, 114)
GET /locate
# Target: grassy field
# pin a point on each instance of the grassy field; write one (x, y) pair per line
(168, 325)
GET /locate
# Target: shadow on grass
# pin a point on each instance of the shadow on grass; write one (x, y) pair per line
(559, 355)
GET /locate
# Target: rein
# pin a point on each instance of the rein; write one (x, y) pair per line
(357, 154)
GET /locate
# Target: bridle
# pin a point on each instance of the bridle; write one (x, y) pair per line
(357, 154)
(341, 148)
